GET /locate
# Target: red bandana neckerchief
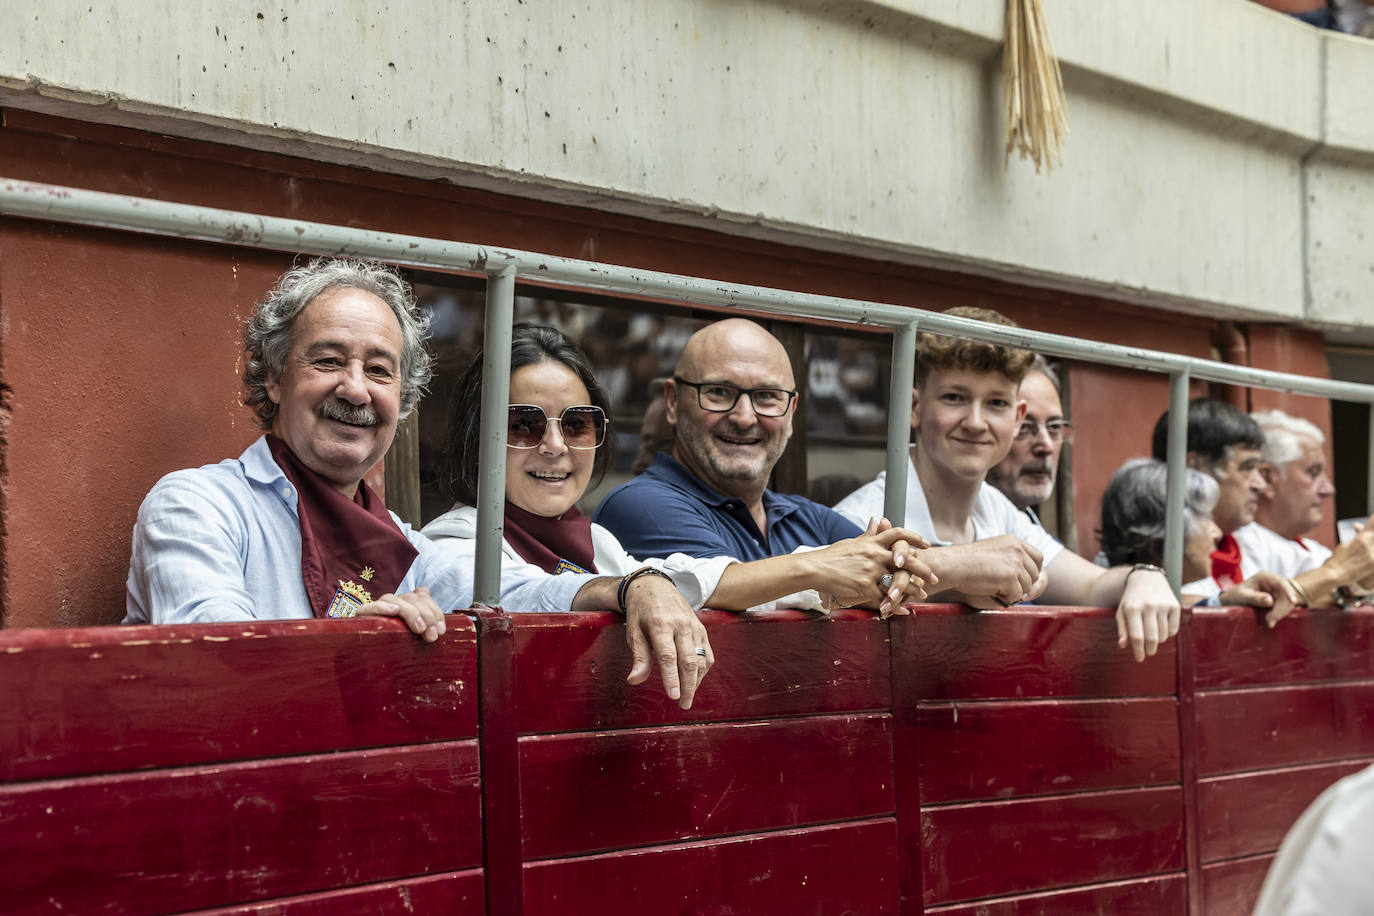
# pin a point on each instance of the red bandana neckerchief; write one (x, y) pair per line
(1226, 562)
(555, 545)
(351, 550)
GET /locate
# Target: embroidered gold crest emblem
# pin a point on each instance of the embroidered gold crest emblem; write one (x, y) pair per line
(348, 597)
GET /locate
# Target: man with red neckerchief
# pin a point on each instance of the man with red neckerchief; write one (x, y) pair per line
(1293, 504)
(1225, 443)
(335, 358)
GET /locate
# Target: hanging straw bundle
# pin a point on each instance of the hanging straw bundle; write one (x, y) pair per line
(1037, 119)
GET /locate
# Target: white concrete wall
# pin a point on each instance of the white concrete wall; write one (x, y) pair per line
(1221, 157)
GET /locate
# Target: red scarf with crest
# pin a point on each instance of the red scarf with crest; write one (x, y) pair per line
(351, 550)
(555, 545)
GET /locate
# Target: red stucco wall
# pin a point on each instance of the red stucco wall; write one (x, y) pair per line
(121, 356)
(121, 353)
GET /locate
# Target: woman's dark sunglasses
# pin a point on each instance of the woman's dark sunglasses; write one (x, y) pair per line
(582, 427)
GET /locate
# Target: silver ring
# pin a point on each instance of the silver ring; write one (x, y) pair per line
(701, 651)
(885, 581)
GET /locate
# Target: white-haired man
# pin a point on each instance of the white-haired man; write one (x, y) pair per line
(289, 529)
(1293, 465)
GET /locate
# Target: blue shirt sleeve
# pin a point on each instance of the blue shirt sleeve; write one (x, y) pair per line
(654, 520)
(837, 527)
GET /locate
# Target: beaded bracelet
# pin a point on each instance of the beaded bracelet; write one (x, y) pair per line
(624, 588)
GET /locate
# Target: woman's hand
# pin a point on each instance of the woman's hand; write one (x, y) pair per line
(850, 571)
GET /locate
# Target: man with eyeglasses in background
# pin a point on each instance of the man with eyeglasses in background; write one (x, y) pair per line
(1026, 476)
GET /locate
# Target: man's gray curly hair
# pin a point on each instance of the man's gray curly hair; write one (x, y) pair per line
(267, 339)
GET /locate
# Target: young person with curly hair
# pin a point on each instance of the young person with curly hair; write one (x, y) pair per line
(965, 410)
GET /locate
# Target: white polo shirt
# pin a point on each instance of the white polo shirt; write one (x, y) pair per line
(1264, 548)
(993, 514)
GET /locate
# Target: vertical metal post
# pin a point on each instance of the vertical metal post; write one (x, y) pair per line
(491, 457)
(1369, 467)
(899, 421)
(1177, 477)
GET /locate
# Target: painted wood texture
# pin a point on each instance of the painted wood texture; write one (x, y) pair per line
(458, 894)
(1028, 652)
(1003, 750)
(1187, 747)
(1154, 896)
(108, 699)
(1236, 649)
(817, 871)
(998, 763)
(999, 848)
(500, 754)
(1249, 813)
(1282, 726)
(571, 670)
(213, 835)
(906, 745)
(690, 782)
(1232, 888)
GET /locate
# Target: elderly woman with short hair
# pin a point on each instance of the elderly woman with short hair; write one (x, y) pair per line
(1133, 516)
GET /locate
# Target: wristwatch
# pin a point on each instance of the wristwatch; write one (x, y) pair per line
(1146, 566)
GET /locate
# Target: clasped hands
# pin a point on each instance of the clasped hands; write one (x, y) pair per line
(853, 570)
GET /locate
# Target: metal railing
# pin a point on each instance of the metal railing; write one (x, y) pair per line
(503, 267)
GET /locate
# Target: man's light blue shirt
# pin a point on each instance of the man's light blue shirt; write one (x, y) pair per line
(222, 543)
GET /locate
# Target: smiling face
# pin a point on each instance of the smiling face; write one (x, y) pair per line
(549, 479)
(1299, 490)
(1026, 475)
(964, 422)
(340, 394)
(1240, 483)
(734, 451)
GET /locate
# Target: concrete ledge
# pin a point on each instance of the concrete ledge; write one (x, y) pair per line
(1218, 159)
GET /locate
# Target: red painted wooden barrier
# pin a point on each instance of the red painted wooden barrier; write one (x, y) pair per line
(999, 763)
(1281, 714)
(290, 768)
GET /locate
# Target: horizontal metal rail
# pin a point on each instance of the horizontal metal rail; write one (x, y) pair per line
(134, 214)
(143, 215)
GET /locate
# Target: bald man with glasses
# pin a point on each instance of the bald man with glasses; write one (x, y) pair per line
(730, 401)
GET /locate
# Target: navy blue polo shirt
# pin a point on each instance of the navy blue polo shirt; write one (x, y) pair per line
(668, 509)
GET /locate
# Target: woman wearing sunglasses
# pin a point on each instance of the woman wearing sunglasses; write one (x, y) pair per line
(556, 426)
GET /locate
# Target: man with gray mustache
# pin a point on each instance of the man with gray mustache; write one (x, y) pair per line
(347, 413)
(289, 529)
(1026, 476)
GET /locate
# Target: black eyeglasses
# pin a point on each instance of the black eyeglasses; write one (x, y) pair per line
(1058, 430)
(582, 427)
(720, 397)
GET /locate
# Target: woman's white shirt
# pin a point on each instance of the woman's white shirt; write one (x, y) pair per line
(696, 578)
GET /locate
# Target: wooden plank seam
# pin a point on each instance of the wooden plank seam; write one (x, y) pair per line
(500, 763)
